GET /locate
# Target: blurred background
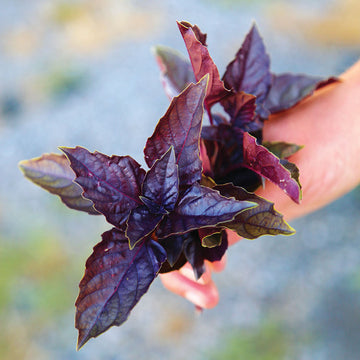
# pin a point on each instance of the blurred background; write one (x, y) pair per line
(82, 73)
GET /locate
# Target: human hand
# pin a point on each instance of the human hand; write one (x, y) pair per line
(328, 125)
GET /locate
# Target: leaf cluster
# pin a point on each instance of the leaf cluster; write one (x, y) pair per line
(198, 182)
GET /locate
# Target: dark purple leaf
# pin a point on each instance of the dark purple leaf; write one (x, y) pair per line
(173, 246)
(288, 89)
(159, 194)
(113, 184)
(257, 221)
(242, 177)
(231, 139)
(282, 149)
(166, 267)
(141, 223)
(293, 169)
(202, 63)
(241, 108)
(161, 183)
(200, 207)
(180, 127)
(196, 254)
(250, 70)
(176, 70)
(212, 133)
(224, 156)
(193, 253)
(115, 279)
(266, 164)
(53, 173)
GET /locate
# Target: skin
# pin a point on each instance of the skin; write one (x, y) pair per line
(328, 125)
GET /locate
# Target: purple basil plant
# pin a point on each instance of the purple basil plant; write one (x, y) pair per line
(199, 183)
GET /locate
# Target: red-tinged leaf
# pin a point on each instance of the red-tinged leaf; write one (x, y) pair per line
(115, 279)
(200, 207)
(287, 90)
(198, 33)
(176, 70)
(210, 237)
(250, 70)
(293, 169)
(180, 127)
(113, 184)
(160, 191)
(53, 173)
(202, 63)
(266, 164)
(257, 221)
(241, 108)
(282, 149)
(206, 163)
(196, 254)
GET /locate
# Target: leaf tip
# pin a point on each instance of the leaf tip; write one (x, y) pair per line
(82, 340)
(183, 24)
(66, 150)
(22, 165)
(292, 231)
(204, 82)
(254, 30)
(254, 26)
(249, 204)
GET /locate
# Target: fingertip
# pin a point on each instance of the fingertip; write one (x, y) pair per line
(206, 297)
(202, 294)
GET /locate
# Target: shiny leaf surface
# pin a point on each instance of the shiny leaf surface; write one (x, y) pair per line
(159, 194)
(202, 63)
(266, 164)
(200, 207)
(113, 183)
(115, 279)
(250, 70)
(289, 89)
(257, 221)
(180, 127)
(161, 182)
